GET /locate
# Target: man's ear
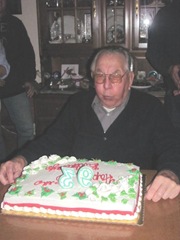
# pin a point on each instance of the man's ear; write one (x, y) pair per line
(131, 78)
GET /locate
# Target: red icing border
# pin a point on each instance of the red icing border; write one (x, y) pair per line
(69, 209)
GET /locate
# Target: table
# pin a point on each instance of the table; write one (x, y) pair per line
(161, 222)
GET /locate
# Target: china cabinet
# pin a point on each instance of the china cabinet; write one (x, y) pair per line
(69, 30)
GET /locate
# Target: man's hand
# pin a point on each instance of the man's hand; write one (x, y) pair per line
(31, 88)
(12, 169)
(2, 71)
(175, 74)
(165, 185)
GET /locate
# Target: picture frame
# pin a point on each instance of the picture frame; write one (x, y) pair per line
(14, 6)
(67, 70)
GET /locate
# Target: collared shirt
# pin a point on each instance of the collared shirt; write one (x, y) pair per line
(107, 116)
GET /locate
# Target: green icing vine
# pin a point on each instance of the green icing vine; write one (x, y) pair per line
(45, 191)
(80, 195)
(15, 190)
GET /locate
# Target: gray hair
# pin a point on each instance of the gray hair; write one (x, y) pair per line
(113, 50)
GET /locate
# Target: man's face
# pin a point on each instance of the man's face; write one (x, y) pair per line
(2, 6)
(113, 94)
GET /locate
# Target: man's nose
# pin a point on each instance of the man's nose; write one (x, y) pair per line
(107, 81)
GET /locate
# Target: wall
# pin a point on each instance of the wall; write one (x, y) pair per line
(29, 18)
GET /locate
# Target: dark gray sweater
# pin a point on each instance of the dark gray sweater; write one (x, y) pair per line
(141, 134)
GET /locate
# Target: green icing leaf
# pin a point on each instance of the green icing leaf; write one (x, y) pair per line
(45, 191)
(82, 160)
(22, 178)
(93, 188)
(104, 199)
(124, 201)
(112, 197)
(30, 193)
(96, 160)
(94, 191)
(95, 194)
(123, 193)
(131, 190)
(80, 195)
(62, 195)
(132, 196)
(36, 169)
(112, 162)
(132, 193)
(132, 180)
(134, 171)
(15, 190)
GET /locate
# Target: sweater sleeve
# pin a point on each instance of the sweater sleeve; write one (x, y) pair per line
(3, 61)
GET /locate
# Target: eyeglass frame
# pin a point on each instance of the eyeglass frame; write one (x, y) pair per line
(110, 77)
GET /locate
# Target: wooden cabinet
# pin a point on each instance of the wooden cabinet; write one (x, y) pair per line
(69, 30)
(46, 108)
(143, 13)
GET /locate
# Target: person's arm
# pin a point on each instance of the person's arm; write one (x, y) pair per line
(12, 169)
(4, 65)
(174, 71)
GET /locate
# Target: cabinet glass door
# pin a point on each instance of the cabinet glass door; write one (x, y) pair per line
(144, 13)
(69, 21)
(115, 22)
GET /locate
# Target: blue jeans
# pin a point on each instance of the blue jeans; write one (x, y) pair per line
(19, 110)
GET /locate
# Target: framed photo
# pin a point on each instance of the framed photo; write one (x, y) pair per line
(67, 70)
(14, 6)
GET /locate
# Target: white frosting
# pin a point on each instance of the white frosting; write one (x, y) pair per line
(28, 193)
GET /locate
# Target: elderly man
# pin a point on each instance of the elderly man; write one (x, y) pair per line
(111, 121)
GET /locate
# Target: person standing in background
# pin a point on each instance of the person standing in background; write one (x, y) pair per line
(19, 84)
(163, 53)
(4, 71)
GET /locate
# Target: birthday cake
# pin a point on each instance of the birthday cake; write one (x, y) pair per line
(70, 188)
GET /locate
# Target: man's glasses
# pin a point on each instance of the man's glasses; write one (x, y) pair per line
(116, 77)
